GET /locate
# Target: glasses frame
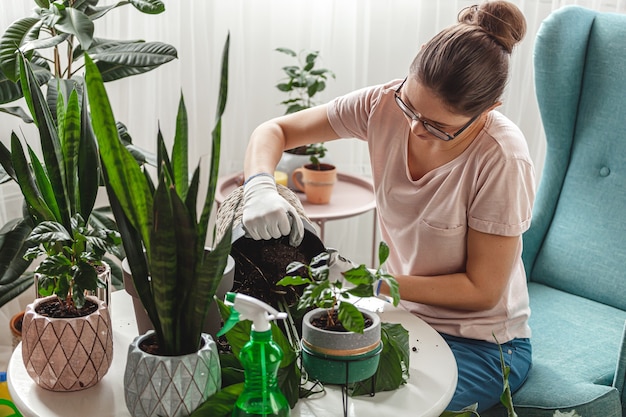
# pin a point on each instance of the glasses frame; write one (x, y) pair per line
(417, 117)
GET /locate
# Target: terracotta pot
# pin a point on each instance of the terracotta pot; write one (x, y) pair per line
(317, 184)
(170, 386)
(291, 161)
(16, 329)
(340, 357)
(213, 322)
(67, 354)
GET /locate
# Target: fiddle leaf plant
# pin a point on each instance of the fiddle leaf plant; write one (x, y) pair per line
(175, 276)
(335, 295)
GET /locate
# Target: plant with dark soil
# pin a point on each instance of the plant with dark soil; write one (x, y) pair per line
(334, 295)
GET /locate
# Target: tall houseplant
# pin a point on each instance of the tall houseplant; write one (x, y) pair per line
(175, 276)
(63, 30)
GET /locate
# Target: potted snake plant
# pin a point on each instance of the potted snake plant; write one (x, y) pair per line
(173, 273)
(59, 191)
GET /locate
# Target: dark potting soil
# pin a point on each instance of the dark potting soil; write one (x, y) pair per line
(260, 264)
(323, 322)
(55, 308)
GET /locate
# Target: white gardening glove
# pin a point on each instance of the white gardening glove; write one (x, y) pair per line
(267, 215)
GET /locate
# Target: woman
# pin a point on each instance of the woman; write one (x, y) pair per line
(454, 191)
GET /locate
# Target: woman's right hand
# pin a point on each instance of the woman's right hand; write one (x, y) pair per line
(267, 215)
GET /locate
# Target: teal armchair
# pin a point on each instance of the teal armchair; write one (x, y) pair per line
(575, 250)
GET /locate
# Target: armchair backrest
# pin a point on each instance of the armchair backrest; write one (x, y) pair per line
(577, 240)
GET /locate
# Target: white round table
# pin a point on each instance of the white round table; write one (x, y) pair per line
(433, 376)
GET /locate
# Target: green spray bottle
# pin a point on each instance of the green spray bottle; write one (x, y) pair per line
(260, 358)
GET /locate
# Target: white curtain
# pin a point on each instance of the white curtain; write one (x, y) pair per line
(364, 42)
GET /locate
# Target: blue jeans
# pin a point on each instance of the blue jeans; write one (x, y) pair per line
(480, 373)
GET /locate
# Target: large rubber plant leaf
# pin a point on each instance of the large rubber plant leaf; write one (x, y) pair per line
(88, 164)
(49, 139)
(149, 6)
(125, 176)
(45, 42)
(216, 136)
(10, 42)
(77, 23)
(18, 112)
(163, 270)
(393, 367)
(25, 179)
(220, 404)
(143, 54)
(180, 151)
(112, 72)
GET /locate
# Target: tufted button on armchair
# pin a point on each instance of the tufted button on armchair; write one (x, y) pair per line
(575, 250)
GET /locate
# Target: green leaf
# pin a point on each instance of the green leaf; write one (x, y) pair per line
(351, 317)
(148, 6)
(17, 111)
(141, 54)
(13, 245)
(393, 367)
(383, 252)
(49, 231)
(88, 164)
(180, 150)
(220, 404)
(294, 280)
(125, 176)
(77, 23)
(10, 42)
(70, 137)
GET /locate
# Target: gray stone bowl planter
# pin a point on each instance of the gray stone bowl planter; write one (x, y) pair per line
(170, 386)
(340, 357)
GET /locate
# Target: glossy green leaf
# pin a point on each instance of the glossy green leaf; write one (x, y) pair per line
(141, 54)
(125, 176)
(351, 317)
(77, 23)
(148, 6)
(180, 150)
(70, 139)
(88, 164)
(10, 42)
(220, 404)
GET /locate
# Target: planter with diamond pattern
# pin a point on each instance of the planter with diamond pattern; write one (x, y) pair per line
(170, 386)
(67, 354)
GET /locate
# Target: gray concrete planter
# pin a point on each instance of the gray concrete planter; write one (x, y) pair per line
(170, 386)
(340, 357)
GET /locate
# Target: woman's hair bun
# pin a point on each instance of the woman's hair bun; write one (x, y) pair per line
(502, 20)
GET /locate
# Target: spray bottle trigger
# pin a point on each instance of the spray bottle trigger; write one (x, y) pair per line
(230, 323)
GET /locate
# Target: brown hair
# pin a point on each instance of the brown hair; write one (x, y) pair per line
(467, 64)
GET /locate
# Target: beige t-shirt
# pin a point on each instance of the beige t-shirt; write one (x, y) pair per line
(490, 187)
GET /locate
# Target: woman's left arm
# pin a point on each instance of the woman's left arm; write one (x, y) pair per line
(490, 259)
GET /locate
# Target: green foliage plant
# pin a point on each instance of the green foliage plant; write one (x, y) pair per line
(66, 28)
(302, 82)
(175, 277)
(59, 191)
(335, 295)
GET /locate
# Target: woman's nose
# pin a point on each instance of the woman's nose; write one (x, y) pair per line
(417, 127)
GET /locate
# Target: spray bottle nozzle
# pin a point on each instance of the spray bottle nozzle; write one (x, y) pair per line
(245, 307)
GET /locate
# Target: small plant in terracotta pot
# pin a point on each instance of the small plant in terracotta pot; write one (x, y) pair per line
(340, 342)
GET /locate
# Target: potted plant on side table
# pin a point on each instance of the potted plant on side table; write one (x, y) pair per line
(302, 82)
(173, 369)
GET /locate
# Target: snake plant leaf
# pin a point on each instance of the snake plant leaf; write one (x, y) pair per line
(38, 207)
(50, 143)
(216, 135)
(163, 263)
(128, 183)
(88, 158)
(10, 42)
(43, 184)
(192, 193)
(149, 6)
(180, 159)
(69, 135)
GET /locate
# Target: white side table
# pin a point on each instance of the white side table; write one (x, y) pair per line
(430, 387)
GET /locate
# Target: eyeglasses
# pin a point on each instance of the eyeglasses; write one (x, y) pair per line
(417, 117)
